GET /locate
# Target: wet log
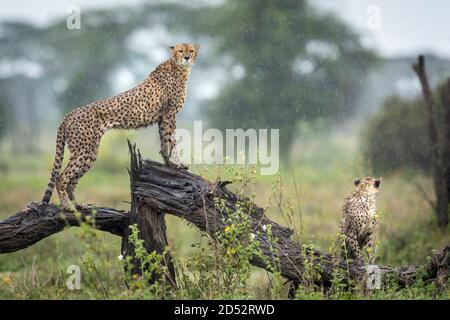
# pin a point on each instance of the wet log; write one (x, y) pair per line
(192, 198)
(158, 190)
(151, 225)
(39, 220)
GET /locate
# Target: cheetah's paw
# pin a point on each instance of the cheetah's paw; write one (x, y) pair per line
(85, 207)
(178, 166)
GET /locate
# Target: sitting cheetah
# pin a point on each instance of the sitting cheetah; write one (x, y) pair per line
(359, 221)
(155, 100)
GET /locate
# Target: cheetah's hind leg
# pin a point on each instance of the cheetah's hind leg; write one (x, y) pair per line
(66, 204)
(78, 165)
(174, 160)
(71, 192)
(61, 189)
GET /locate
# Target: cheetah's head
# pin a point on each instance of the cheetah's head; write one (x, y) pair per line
(368, 184)
(184, 54)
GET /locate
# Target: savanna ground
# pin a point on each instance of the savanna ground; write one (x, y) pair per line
(312, 188)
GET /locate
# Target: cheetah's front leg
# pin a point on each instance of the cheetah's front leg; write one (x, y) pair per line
(353, 246)
(167, 126)
(370, 245)
(370, 248)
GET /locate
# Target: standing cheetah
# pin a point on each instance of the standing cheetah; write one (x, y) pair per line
(155, 100)
(359, 221)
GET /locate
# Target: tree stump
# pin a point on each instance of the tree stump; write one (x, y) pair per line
(151, 225)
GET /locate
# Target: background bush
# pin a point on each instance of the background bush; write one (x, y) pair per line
(397, 138)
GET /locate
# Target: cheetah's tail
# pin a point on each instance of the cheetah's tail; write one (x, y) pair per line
(59, 155)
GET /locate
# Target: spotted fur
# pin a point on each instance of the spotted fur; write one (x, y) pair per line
(359, 221)
(155, 100)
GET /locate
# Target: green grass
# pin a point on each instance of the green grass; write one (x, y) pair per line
(322, 170)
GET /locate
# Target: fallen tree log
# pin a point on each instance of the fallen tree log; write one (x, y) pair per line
(40, 220)
(190, 197)
(161, 190)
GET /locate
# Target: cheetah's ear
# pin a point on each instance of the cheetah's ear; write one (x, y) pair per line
(377, 183)
(171, 47)
(357, 181)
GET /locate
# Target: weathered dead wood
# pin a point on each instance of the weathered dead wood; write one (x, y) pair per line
(191, 198)
(39, 221)
(158, 189)
(151, 225)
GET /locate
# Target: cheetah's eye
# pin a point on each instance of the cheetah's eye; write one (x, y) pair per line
(377, 183)
(180, 51)
(191, 51)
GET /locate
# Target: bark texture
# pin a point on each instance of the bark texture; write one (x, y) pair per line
(151, 224)
(39, 221)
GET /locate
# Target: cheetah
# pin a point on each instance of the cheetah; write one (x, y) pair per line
(359, 221)
(155, 100)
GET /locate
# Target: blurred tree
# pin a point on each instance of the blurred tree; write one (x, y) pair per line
(396, 138)
(91, 54)
(439, 139)
(57, 66)
(3, 116)
(18, 113)
(17, 105)
(287, 61)
(78, 64)
(292, 64)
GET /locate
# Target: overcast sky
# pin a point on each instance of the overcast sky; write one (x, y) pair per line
(405, 26)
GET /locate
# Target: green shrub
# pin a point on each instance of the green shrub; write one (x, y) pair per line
(397, 138)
